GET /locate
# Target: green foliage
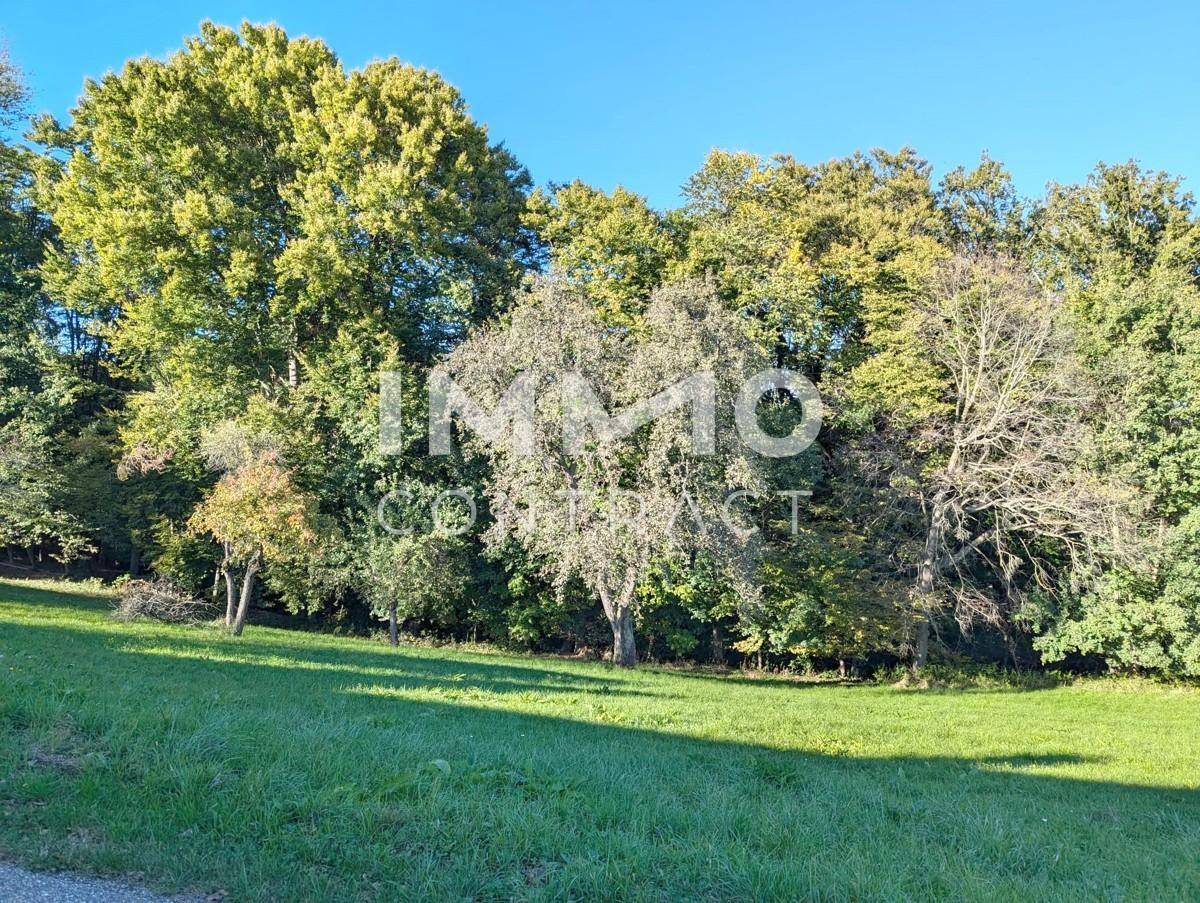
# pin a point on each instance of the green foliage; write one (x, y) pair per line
(37, 394)
(824, 261)
(237, 213)
(613, 246)
(982, 209)
(31, 492)
(1136, 625)
(180, 554)
(400, 562)
(818, 603)
(1124, 246)
(251, 233)
(208, 265)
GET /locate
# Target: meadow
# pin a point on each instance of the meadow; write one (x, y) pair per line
(290, 765)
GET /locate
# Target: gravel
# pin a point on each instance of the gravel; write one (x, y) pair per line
(18, 885)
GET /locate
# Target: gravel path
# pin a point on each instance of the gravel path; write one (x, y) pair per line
(20, 886)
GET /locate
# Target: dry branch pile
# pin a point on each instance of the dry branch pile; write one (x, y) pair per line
(160, 600)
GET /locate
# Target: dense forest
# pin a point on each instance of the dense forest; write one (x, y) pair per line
(205, 270)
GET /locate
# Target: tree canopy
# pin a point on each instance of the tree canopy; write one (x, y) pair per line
(208, 266)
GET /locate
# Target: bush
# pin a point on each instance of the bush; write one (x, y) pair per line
(160, 600)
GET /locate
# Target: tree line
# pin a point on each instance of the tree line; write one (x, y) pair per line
(208, 265)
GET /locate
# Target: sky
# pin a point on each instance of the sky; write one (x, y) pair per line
(637, 93)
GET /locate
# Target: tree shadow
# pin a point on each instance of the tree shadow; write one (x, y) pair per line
(984, 685)
(492, 777)
(423, 662)
(212, 651)
(349, 655)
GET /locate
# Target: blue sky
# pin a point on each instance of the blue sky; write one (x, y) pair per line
(638, 93)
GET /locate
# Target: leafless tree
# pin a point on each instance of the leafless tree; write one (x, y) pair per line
(999, 477)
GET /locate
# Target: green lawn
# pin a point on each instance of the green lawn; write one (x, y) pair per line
(297, 766)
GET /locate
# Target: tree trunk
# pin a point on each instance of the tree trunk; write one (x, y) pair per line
(718, 645)
(226, 569)
(393, 627)
(135, 561)
(922, 643)
(229, 596)
(933, 539)
(293, 368)
(624, 648)
(1010, 644)
(247, 590)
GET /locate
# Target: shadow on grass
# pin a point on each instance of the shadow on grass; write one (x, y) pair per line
(951, 680)
(355, 653)
(208, 651)
(322, 651)
(84, 595)
(266, 716)
(315, 647)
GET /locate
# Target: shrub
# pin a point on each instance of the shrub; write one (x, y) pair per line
(160, 600)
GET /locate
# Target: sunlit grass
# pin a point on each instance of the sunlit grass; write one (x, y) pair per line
(301, 766)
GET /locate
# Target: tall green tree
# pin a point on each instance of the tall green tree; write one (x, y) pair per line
(823, 260)
(1125, 249)
(983, 210)
(612, 247)
(39, 390)
(248, 219)
(827, 265)
(231, 207)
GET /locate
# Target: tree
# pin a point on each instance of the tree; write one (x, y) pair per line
(997, 485)
(606, 511)
(31, 497)
(1121, 217)
(819, 599)
(611, 247)
(408, 575)
(246, 219)
(36, 394)
(983, 210)
(823, 261)
(257, 513)
(1124, 247)
(826, 264)
(21, 313)
(266, 196)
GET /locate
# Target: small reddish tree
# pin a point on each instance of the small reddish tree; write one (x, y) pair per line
(258, 514)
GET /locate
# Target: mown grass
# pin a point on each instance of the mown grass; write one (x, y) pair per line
(298, 766)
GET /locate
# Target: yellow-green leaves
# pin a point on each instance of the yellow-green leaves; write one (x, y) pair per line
(611, 246)
(229, 209)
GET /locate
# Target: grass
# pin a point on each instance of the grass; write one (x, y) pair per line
(299, 766)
